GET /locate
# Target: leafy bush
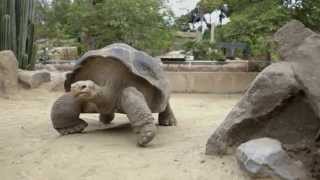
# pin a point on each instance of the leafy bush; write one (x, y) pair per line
(204, 50)
(308, 12)
(254, 26)
(138, 23)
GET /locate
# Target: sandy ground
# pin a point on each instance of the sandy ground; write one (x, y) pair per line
(30, 149)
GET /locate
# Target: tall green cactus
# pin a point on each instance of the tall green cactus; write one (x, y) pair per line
(17, 30)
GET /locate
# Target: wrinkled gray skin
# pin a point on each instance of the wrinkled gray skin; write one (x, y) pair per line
(115, 79)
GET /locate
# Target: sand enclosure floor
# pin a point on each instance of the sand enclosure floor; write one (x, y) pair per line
(30, 149)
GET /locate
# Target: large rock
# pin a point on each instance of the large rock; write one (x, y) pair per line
(8, 73)
(288, 43)
(55, 67)
(269, 91)
(264, 157)
(316, 164)
(302, 46)
(283, 102)
(33, 79)
(57, 81)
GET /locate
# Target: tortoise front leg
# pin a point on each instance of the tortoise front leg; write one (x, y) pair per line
(167, 118)
(106, 118)
(78, 128)
(65, 114)
(133, 103)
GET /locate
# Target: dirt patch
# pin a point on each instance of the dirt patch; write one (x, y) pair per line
(31, 149)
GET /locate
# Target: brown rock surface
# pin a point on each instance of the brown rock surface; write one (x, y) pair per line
(8, 73)
(302, 46)
(282, 103)
(33, 79)
(57, 81)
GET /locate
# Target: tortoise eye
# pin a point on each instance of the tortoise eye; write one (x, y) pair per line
(83, 86)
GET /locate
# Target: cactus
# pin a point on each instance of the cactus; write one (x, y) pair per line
(6, 33)
(17, 30)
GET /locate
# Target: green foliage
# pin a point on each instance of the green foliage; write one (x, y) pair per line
(52, 19)
(252, 22)
(255, 21)
(254, 26)
(139, 23)
(17, 30)
(308, 12)
(210, 5)
(204, 50)
(181, 23)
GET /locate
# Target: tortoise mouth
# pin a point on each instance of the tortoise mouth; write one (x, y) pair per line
(82, 94)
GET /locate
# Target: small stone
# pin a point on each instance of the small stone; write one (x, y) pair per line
(263, 158)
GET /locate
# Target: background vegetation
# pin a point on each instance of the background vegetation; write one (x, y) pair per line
(97, 23)
(255, 21)
(144, 24)
(17, 30)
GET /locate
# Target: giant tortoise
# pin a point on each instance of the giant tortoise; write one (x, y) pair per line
(115, 79)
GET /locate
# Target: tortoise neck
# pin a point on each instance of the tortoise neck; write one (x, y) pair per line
(104, 99)
(99, 98)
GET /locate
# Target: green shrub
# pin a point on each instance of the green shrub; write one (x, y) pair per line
(204, 50)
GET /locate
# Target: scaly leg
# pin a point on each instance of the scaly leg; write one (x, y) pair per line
(133, 103)
(65, 115)
(167, 118)
(106, 118)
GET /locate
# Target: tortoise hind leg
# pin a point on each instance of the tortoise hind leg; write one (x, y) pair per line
(106, 118)
(167, 118)
(133, 103)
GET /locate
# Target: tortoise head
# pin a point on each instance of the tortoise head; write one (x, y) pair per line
(85, 90)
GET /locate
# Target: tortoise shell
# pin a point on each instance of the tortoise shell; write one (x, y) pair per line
(138, 63)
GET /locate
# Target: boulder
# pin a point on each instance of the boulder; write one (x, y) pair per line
(55, 67)
(287, 43)
(253, 115)
(33, 79)
(57, 81)
(302, 47)
(265, 157)
(316, 164)
(8, 73)
(283, 102)
(48, 67)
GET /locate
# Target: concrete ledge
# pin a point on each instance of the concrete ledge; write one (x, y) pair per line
(209, 66)
(210, 82)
